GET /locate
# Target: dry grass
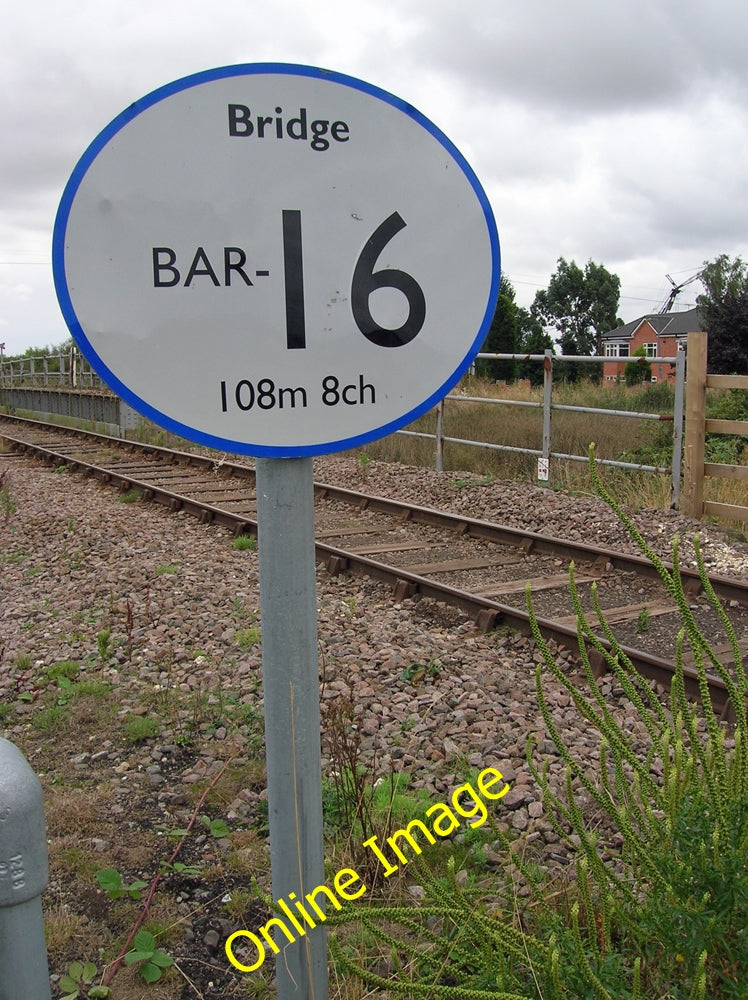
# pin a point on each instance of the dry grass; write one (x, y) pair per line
(130, 986)
(646, 442)
(80, 812)
(62, 928)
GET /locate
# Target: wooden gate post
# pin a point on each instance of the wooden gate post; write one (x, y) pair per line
(693, 494)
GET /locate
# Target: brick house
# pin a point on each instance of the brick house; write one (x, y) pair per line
(660, 334)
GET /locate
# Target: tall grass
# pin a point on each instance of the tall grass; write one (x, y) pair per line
(618, 438)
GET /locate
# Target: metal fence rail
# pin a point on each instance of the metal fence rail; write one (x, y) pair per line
(69, 370)
(545, 454)
(72, 372)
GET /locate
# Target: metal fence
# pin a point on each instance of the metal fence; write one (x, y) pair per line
(545, 454)
(71, 371)
(64, 385)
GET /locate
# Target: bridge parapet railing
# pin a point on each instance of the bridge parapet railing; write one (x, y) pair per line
(68, 370)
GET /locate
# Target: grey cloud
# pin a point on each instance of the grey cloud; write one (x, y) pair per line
(585, 56)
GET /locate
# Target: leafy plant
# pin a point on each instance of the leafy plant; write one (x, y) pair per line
(642, 622)
(132, 496)
(728, 405)
(727, 450)
(66, 690)
(152, 962)
(102, 644)
(65, 668)
(364, 461)
(216, 827)
(640, 370)
(168, 569)
(111, 882)
(78, 981)
(247, 637)
(416, 672)
(140, 727)
(178, 868)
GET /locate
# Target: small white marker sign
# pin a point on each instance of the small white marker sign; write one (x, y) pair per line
(276, 260)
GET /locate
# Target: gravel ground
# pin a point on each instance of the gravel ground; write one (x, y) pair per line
(532, 508)
(181, 604)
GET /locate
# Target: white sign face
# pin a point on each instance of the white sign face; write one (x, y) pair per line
(276, 260)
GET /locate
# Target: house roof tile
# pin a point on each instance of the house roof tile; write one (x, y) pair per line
(664, 324)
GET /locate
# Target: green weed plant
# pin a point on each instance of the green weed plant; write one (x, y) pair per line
(150, 961)
(78, 981)
(114, 886)
(655, 904)
(245, 543)
(216, 827)
(139, 728)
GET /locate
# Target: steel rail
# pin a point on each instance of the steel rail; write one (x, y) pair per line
(727, 588)
(486, 613)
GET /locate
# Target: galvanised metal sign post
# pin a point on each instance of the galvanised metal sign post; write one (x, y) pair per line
(278, 261)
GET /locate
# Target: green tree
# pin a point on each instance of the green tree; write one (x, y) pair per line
(724, 307)
(580, 305)
(502, 335)
(532, 339)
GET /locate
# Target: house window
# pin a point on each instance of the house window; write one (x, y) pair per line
(616, 350)
(651, 350)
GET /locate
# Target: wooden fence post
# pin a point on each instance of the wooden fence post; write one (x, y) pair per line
(693, 494)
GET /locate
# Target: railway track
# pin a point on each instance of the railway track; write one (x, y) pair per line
(480, 567)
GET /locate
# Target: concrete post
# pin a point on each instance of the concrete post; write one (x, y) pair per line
(23, 878)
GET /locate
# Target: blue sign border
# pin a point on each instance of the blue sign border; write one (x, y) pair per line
(193, 433)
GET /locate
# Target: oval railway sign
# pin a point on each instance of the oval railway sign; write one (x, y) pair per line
(276, 260)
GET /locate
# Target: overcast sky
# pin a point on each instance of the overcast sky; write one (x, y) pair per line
(611, 131)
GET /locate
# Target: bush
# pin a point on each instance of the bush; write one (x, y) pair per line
(638, 371)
